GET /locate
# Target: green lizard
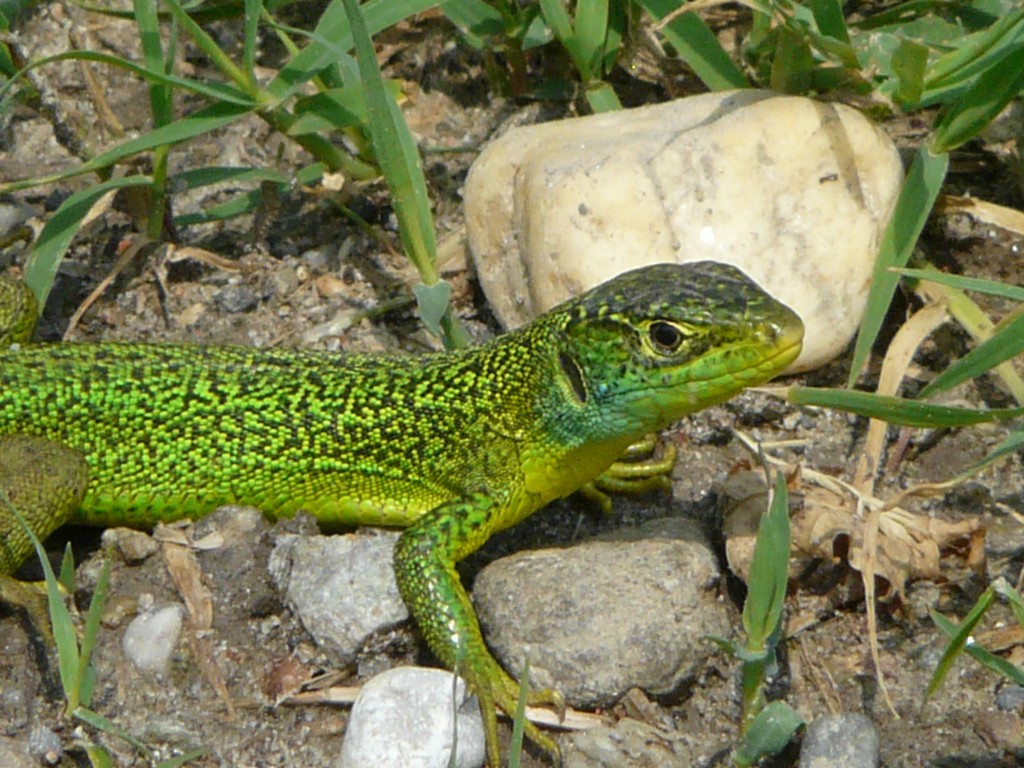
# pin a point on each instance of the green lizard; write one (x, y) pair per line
(451, 447)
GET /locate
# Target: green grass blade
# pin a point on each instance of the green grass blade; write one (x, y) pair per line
(908, 63)
(98, 756)
(196, 124)
(1011, 444)
(515, 748)
(960, 637)
(215, 91)
(203, 177)
(921, 187)
(698, 46)
(591, 33)
(66, 577)
(397, 154)
(976, 53)
(56, 236)
(63, 627)
(334, 109)
(558, 21)
(160, 93)
(602, 97)
(1013, 597)
(828, 14)
(768, 734)
(161, 104)
(332, 39)
(897, 410)
(990, 287)
(205, 42)
(253, 13)
(101, 723)
(769, 571)
(475, 19)
(180, 760)
(792, 63)
(997, 664)
(985, 98)
(86, 673)
(1005, 343)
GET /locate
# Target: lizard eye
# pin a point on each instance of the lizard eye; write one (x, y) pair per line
(665, 337)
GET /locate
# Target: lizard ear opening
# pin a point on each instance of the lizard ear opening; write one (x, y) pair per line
(572, 372)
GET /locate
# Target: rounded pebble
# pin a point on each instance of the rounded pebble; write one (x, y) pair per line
(150, 639)
(403, 719)
(840, 741)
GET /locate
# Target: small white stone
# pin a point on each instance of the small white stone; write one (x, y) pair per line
(150, 639)
(794, 192)
(403, 719)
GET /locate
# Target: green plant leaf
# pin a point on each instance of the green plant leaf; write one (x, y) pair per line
(66, 577)
(980, 102)
(396, 151)
(180, 760)
(920, 188)
(196, 124)
(1006, 342)
(87, 674)
(960, 637)
(335, 108)
(990, 287)
(769, 572)
(768, 734)
(602, 97)
(475, 19)
(908, 64)
(215, 91)
(698, 46)
(897, 410)
(995, 663)
(60, 618)
(974, 54)
(828, 14)
(253, 12)
(332, 39)
(1012, 443)
(591, 32)
(56, 236)
(519, 717)
(98, 756)
(208, 45)
(792, 63)
(432, 302)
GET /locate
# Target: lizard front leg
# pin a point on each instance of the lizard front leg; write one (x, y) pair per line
(45, 482)
(425, 559)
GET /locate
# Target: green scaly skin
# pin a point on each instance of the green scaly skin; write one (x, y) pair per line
(452, 447)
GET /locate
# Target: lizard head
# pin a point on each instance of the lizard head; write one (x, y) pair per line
(653, 344)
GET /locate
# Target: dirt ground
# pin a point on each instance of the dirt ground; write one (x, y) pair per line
(300, 263)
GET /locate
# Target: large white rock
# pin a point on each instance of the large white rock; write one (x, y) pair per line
(794, 192)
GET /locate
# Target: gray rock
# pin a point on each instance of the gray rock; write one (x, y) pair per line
(150, 639)
(403, 719)
(14, 215)
(45, 745)
(628, 743)
(283, 282)
(601, 617)
(236, 298)
(342, 588)
(1010, 698)
(13, 754)
(840, 741)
